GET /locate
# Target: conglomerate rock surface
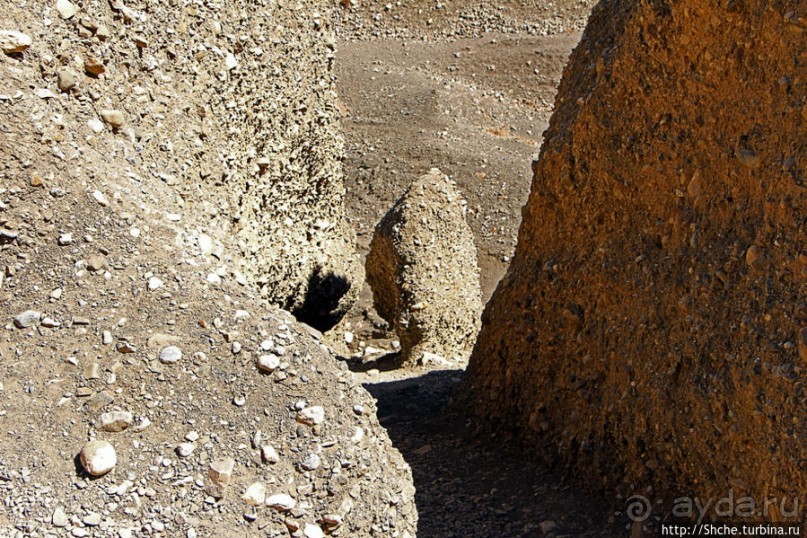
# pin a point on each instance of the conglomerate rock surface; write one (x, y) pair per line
(423, 272)
(651, 328)
(135, 211)
(233, 105)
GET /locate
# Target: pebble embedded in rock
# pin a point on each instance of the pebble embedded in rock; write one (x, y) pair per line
(170, 355)
(67, 79)
(311, 416)
(255, 494)
(311, 462)
(281, 501)
(12, 41)
(332, 520)
(547, 526)
(94, 66)
(269, 362)
(27, 319)
(101, 198)
(205, 244)
(218, 477)
(755, 257)
(155, 283)
(748, 158)
(185, 449)
(125, 347)
(96, 125)
(313, 531)
(96, 263)
(93, 519)
(65, 239)
(98, 457)
(269, 454)
(113, 117)
(115, 421)
(66, 9)
(59, 518)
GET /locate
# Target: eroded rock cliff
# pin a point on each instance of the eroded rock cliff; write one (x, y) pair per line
(168, 171)
(651, 327)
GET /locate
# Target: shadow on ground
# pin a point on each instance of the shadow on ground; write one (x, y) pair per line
(472, 487)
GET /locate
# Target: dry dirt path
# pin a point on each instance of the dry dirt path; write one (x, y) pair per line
(476, 108)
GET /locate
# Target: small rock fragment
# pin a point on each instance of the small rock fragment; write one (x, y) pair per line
(96, 125)
(184, 450)
(230, 61)
(115, 421)
(96, 263)
(547, 526)
(313, 531)
(94, 66)
(311, 416)
(755, 257)
(255, 494)
(332, 520)
(113, 117)
(748, 158)
(155, 283)
(101, 198)
(93, 519)
(125, 347)
(98, 457)
(50, 323)
(13, 41)
(170, 355)
(218, 477)
(144, 423)
(67, 79)
(27, 319)
(269, 454)
(281, 501)
(312, 462)
(59, 518)
(268, 363)
(66, 8)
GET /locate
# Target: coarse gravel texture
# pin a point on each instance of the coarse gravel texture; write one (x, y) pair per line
(423, 272)
(651, 328)
(135, 220)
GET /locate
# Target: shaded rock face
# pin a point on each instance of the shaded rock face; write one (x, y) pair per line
(647, 330)
(423, 272)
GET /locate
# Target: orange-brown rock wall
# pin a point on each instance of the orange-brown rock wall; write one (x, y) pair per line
(650, 330)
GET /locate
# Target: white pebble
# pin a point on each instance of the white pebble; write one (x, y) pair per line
(170, 355)
(98, 457)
